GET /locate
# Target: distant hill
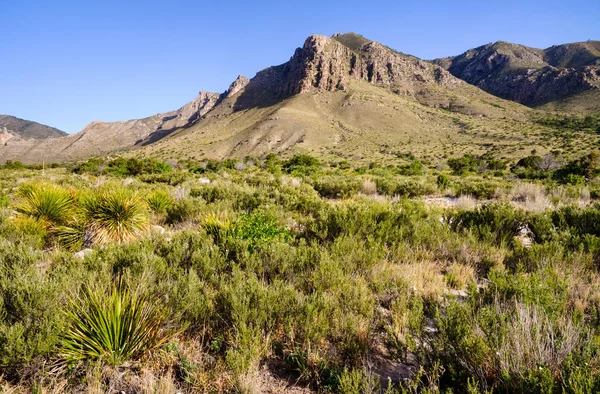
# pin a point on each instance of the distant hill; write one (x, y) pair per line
(554, 76)
(341, 97)
(27, 129)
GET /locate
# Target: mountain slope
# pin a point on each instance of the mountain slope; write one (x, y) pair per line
(349, 97)
(531, 76)
(16, 128)
(344, 96)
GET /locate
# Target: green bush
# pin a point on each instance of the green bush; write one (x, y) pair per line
(301, 165)
(182, 210)
(331, 186)
(443, 182)
(497, 222)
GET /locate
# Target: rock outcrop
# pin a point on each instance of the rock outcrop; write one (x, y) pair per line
(526, 75)
(331, 63)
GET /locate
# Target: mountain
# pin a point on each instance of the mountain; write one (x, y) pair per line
(15, 128)
(341, 96)
(556, 77)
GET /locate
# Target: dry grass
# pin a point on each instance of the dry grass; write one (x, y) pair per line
(459, 276)
(424, 278)
(368, 187)
(466, 202)
(533, 340)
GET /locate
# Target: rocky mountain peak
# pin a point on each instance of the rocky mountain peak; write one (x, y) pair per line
(236, 86)
(331, 63)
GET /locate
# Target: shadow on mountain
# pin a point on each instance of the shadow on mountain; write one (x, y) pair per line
(269, 87)
(157, 136)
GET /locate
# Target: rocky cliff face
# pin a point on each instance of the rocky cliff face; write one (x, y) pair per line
(331, 63)
(528, 75)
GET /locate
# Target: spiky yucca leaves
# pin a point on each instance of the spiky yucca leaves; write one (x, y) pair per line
(159, 201)
(217, 224)
(74, 236)
(115, 215)
(47, 203)
(113, 326)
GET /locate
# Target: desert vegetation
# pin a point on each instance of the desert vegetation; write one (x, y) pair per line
(261, 274)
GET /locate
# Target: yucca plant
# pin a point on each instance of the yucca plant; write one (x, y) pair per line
(217, 224)
(115, 216)
(75, 235)
(159, 201)
(50, 204)
(113, 326)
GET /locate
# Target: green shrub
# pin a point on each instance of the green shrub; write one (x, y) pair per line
(337, 187)
(498, 222)
(257, 228)
(443, 182)
(406, 188)
(301, 165)
(4, 201)
(413, 169)
(482, 190)
(182, 210)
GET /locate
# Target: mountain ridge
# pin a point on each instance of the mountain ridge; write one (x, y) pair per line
(12, 127)
(531, 76)
(374, 94)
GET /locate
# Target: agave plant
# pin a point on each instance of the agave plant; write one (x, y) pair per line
(113, 326)
(49, 204)
(115, 216)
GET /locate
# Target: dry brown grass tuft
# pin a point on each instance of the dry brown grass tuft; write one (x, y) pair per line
(533, 340)
(368, 187)
(531, 196)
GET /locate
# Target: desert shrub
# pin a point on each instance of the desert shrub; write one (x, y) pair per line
(412, 169)
(443, 182)
(482, 190)
(577, 171)
(13, 165)
(470, 163)
(337, 186)
(113, 327)
(91, 166)
(123, 167)
(133, 166)
(172, 178)
(30, 304)
(407, 188)
(498, 222)
(571, 122)
(4, 200)
(301, 165)
(257, 228)
(182, 210)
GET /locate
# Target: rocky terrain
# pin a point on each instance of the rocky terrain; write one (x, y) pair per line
(343, 95)
(530, 76)
(16, 128)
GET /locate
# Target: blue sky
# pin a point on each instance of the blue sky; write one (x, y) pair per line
(67, 63)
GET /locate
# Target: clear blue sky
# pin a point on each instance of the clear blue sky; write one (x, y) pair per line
(66, 63)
